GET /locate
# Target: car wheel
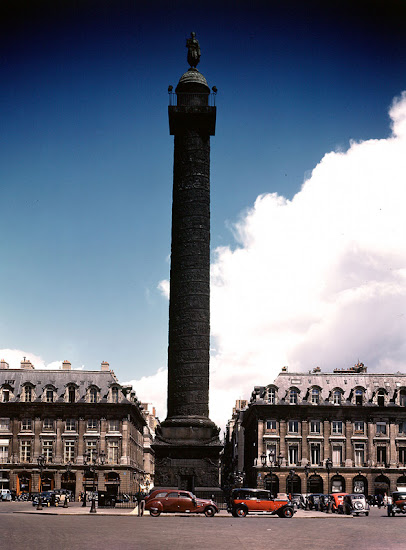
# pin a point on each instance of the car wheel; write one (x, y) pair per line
(154, 512)
(241, 512)
(234, 514)
(209, 512)
(287, 513)
(367, 513)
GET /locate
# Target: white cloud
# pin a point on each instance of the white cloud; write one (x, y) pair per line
(163, 287)
(316, 280)
(14, 357)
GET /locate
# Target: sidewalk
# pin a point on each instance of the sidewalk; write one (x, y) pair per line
(76, 509)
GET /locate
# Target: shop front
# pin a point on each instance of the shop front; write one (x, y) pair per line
(112, 482)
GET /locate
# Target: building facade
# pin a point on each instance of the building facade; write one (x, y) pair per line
(327, 432)
(69, 417)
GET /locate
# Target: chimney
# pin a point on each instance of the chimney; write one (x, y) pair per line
(4, 364)
(66, 365)
(26, 364)
(105, 366)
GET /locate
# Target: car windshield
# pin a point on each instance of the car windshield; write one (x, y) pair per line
(399, 496)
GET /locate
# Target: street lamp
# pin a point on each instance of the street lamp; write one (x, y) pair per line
(329, 465)
(98, 460)
(68, 469)
(41, 464)
(272, 464)
(306, 473)
(290, 478)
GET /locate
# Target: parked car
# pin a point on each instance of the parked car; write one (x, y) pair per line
(170, 501)
(247, 501)
(48, 498)
(324, 502)
(355, 504)
(298, 501)
(337, 502)
(5, 494)
(399, 502)
(313, 501)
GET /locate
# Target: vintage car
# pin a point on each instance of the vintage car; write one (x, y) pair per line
(48, 498)
(315, 501)
(298, 500)
(257, 501)
(399, 502)
(355, 504)
(337, 502)
(171, 501)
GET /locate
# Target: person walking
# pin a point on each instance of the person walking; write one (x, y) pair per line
(389, 504)
(140, 503)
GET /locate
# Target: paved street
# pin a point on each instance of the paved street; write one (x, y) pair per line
(21, 530)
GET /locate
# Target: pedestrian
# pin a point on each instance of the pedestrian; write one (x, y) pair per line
(379, 499)
(389, 504)
(140, 503)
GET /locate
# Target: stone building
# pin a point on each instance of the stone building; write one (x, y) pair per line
(69, 416)
(326, 432)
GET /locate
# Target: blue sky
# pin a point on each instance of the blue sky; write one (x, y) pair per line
(86, 156)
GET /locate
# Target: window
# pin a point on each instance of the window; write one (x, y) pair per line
(402, 455)
(381, 428)
(25, 451)
(358, 427)
(114, 395)
(315, 454)
(28, 394)
(70, 425)
(337, 427)
(47, 449)
(337, 397)
(93, 395)
(293, 397)
(48, 424)
(315, 396)
(402, 398)
(71, 394)
(4, 424)
(337, 455)
(92, 424)
(112, 452)
(402, 427)
(69, 450)
(91, 449)
(271, 396)
(49, 395)
(359, 396)
(271, 425)
(381, 454)
(26, 424)
(381, 398)
(114, 425)
(271, 452)
(6, 396)
(293, 426)
(293, 455)
(315, 426)
(359, 454)
(3, 453)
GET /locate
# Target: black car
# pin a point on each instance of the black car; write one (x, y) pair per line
(313, 501)
(48, 498)
(398, 502)
(298, 501)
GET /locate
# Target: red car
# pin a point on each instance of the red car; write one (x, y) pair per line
(258, 501)
(171, 501)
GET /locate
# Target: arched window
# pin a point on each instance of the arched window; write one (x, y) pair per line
(114, 394)
(93, 395)
(271, 396)
(315, 396)
(359, 396)
(71, 394)
(293, 396)
(337, 397)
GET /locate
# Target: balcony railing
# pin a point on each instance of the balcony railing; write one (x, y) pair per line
(192, 100)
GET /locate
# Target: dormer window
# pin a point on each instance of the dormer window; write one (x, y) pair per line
(359, 397)
(93, 395)
(293, 397)
(114, 395)
(6, 396)
(49, 395)
(271, 396)
(381, 398)
(315, 396)
(337, 397)
(71, 394)
(402, 398)
(28, 394)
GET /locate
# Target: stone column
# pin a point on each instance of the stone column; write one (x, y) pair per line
(59, 442)
(81, 440)
(393, 459)
(305, 443)
(37, 440)
(260, 442)
(283, 446)
(349, 459)
(371, 447)
(326, 441)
